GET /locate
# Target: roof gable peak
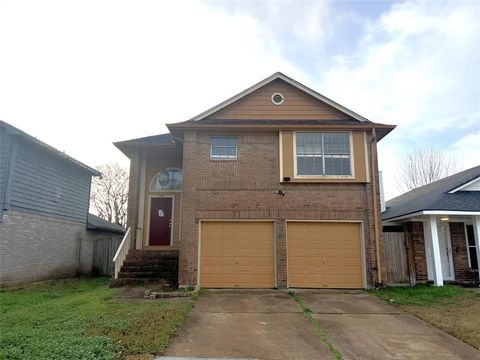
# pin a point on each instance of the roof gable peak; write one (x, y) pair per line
(280, 76)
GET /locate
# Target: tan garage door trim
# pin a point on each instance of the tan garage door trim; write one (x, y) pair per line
(362, 243)
(240, 220)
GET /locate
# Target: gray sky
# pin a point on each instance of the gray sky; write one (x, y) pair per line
(82, 74)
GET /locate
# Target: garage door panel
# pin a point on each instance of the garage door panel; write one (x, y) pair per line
(243, 254)
(324, 255)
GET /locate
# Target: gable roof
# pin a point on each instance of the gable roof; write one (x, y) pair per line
(96, 223)
(437, 196)
(12, 130)
(288, 80)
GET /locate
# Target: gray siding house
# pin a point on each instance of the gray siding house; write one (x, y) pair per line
(44, 201)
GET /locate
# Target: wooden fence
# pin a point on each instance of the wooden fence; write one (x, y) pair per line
(396, 258)
(103, 252)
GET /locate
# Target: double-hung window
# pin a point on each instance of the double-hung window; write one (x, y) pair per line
(472, 251)
(323, 154)
(223, 147)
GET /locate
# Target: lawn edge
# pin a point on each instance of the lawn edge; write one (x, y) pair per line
(427, 323)
(316, 325)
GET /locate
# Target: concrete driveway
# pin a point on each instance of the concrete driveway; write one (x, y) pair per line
(271, 325)
(362, 326)
(250, 324)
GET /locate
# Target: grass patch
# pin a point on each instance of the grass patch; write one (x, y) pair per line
(307, 311)
(421, 295)
(81, 319)
(451, 308)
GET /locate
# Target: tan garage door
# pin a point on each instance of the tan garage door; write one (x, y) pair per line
(324, 255)
(236, 254)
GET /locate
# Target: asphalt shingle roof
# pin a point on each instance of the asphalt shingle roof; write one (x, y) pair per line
(435, 196)
(162, 139)
(96, 223)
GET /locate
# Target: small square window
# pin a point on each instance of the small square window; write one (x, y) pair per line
(223, 148)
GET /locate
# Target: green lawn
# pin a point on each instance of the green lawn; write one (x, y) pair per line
(82, 319)
(450, 308)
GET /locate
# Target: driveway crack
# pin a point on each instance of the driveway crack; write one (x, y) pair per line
(320, 331)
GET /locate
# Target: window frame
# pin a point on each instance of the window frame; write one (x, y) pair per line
(352, 167)
(469, 246)
(217, 158)
(150, 188)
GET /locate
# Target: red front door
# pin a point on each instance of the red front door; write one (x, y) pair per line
(160, 221)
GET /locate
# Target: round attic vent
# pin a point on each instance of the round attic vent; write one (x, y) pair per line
(278, 99)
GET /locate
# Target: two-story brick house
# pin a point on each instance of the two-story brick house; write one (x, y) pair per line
(274, 187)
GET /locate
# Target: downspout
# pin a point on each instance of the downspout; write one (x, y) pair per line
(373, 144)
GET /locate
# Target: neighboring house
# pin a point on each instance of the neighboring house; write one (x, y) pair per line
(44, 200)
(102, 241)
(274, 187)
(441, 223)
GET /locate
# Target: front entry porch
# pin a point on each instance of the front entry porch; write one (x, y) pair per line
(445, 260)
(441, 247)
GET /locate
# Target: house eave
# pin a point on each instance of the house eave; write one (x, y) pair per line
(382, 129)
(432, 212)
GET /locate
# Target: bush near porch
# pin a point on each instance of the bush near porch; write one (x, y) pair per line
(82, 319)
(453, 309)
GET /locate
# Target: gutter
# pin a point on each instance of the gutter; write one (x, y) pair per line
(373, 144)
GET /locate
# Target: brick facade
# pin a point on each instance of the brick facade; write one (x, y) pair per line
(36, 247)
(416, 252)
(246, 189)
(460, 255)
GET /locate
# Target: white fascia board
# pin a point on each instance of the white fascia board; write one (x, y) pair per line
(464, 185)
(447, 212)
(433, 212)
(288, 80)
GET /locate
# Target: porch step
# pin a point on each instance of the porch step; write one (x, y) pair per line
(141, 267)
(144, 267)
(140, 281)
(145, 274)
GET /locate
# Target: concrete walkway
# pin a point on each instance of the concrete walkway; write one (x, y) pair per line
(265, 324)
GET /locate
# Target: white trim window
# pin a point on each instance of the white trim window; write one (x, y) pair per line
(323, 154)
(223, 147)
(472, 251)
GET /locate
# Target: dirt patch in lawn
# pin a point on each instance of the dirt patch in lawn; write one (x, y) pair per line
(453, 309)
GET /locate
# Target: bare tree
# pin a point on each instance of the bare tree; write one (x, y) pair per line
(423, 166)
(110, 193)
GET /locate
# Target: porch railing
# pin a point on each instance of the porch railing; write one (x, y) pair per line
(122, 252)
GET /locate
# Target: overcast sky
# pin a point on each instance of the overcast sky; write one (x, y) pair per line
(82, 74)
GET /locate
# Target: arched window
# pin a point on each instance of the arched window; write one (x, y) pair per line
(167, 179)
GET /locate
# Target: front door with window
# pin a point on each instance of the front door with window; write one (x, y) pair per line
(160, 221)
(445, 251)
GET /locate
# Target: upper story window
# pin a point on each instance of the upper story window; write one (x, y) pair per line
(168, 179)
(223, 147)
(323, 154)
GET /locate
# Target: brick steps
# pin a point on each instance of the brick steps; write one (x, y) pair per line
(139, 281)
(146, 267)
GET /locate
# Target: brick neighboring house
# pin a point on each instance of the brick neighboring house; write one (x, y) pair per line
(275, 187)
(441, 223)
(44, 199)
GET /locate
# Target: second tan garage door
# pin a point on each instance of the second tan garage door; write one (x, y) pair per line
(236, 254)
(324, 255)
